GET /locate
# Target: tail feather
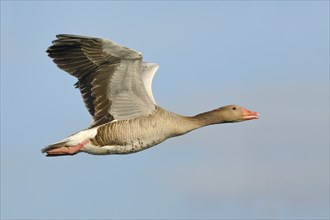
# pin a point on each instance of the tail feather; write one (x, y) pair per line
(56, 149)
(53, 146)
(70, 145)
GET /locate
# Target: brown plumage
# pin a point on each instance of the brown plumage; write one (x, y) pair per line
(116, 87)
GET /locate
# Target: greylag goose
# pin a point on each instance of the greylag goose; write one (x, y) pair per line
(115, 85)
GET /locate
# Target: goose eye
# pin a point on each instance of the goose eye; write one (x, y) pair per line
(234, 108)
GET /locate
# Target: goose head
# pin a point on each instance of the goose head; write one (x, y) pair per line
(235, 113)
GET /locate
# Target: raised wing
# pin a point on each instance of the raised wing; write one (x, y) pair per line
(148, 72)
(109, 76)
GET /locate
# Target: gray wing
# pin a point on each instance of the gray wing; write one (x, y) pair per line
(109, 77)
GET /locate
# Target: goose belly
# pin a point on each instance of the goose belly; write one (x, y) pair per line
(124, 138)
(134, 147)
(129, 147)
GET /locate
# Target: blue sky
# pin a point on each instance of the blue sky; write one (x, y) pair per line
(268, 56)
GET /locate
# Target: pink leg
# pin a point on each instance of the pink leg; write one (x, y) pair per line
(67, 150)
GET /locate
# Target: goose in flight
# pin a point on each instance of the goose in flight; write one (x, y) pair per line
(115, 85)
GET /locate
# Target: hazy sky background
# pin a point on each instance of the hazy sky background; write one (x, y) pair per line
(268, 56)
